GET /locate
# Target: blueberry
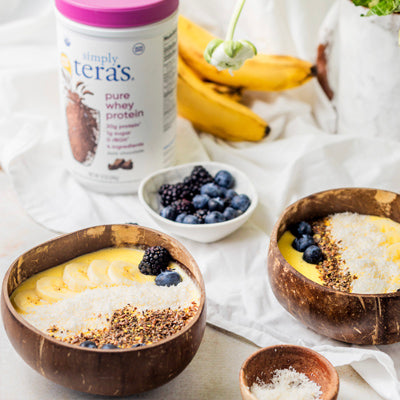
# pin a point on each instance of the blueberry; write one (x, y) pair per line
(138, 345)
(230, 213)
(131, 223)
(88, 344)
(109, 346)
(191, 219)
(300, 229)
(301, 243)
(313, 254)
(240, 202)
(213, 217)
(224, 179)
(168, 278)
(200, 201)
(211, 189)
(230, 194)
(216, 204)
(223, 191)
(168, 212)
(180, 217)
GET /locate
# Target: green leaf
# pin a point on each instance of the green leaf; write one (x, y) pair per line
(379, 7)
(364, 3)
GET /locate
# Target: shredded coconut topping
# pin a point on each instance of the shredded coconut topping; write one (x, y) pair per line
(368, 251)
(91, 308)
(287, 384)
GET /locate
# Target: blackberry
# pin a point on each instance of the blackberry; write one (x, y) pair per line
(189, 188)
(201, 175)
(154, 261)
(170, 193)
(201, 214)
(183, 206)
(192, 183)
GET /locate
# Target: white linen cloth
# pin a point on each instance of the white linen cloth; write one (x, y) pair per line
(299, 158)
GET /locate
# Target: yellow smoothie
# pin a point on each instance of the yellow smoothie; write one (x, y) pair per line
(295, 258)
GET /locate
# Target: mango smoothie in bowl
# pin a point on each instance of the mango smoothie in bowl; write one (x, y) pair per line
(111, 310)
(334, 264)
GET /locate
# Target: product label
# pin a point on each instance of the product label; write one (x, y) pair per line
(119, 104)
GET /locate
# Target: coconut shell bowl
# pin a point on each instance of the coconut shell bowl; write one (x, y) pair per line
(118, 372)
(365, 319)
(260, 367)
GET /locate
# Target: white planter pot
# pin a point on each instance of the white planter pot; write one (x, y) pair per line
(361, 57)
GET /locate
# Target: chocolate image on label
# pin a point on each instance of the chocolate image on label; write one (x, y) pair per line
(83, 125)
(128, 164)
(121, 163)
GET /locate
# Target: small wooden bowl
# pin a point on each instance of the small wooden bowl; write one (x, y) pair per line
(260, 366)
(106, 372)
(349, 317)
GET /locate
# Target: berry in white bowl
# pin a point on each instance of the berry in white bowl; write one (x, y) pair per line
(203, 201)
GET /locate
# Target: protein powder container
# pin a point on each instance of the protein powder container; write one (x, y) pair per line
(118, 85)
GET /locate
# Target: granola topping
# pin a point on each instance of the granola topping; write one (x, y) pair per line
(129, 327)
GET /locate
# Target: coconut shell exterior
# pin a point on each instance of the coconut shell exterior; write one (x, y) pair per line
(368, 319)
(105, 372)
(261, 365)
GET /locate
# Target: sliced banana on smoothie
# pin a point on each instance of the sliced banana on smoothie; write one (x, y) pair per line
(97, 272)
(75, 277)
(52, 289)
(121, 272)
(26, 299)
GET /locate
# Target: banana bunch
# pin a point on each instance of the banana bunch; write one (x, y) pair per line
(210, 99)
(76, 277)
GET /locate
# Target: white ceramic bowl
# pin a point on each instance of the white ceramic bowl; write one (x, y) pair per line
(204, 233)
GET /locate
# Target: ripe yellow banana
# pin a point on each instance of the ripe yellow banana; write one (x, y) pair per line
(75, 277)
(52, 289)
(97, 272)
(26, 299)
(234, 94)
(214, 112)
(262, 72)
(121, 272)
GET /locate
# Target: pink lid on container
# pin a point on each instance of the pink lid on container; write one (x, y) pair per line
(117, 13)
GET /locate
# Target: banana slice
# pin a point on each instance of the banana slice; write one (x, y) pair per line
(97, 272)
(27, 299)
(75, 277)
(52, 289)
(121, 272)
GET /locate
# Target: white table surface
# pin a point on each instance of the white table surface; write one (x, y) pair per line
(212, 375)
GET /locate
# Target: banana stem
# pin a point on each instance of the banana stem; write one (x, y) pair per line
(234, 19)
